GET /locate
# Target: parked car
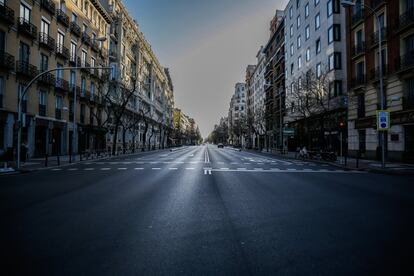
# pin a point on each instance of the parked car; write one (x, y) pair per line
(220, 145)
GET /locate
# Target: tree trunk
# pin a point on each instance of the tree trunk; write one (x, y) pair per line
(124, 141)
(115, 138)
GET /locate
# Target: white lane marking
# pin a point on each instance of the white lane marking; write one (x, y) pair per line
(138, 169)
(153, 162)
(207, 171)
(258, 169)
(206, 157)
(224, 169)
(88, 163)
(73, 169)
(156, 169)
(241, 169)
(89, 169)
(56, 169)
(105, 169)
(189, 168)
(173, 169)
(234, 163)
(288, 171)
(122, 169)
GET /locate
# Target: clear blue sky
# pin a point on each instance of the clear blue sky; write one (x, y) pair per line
(207, 44)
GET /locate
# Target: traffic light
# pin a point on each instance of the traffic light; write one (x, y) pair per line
(341, 125)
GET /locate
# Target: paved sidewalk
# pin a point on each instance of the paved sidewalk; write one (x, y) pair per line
(35, 164)
(354, 164)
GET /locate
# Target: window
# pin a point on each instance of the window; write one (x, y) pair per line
(82, 113)
(291, 68)
(24, 52)
(307, 10)
(74, 18)
(73, 51)
(297, 4)
(317, 21)
(329, 8)
(44, 62)
(335, 88)
(308, 54)
(334, 33)
(299, 62)
(83, 57)
(59, 73)
(299, 42)
(44, 27)
(335, 62)
(25, 12)
(316, 2)
(84, 28)
(59, 102)
(292, 49)
(2, 84)
(318, 70)
(92, 89)
(60, 39)
(291, 30)
(83, 85)
(290, 12)
(318, 46)
(307, 32)
(42, 103)
(72, 78)
(298, 22)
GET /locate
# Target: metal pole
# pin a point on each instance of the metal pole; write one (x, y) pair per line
(381, 85)
(340, 138)
(19, 131)
(281, 121)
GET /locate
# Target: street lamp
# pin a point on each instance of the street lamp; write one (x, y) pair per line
(74, 131)
(346, 4)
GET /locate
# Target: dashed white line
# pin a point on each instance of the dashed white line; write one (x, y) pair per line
(56, 169)
(122, 169)
(173, 169)
(89, 169)
(189, 168)
(138, 169)
(105, 169)
(156, 169)
(73, 169)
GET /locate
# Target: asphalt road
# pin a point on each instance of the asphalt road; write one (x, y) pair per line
(205, 211)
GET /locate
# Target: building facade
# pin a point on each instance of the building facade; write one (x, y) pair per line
(396, 24)
(238, 116)
(316, 73)
(275, 83)
(36, 36)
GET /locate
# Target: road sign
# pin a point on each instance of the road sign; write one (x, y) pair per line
(288, 131)
(383, 120)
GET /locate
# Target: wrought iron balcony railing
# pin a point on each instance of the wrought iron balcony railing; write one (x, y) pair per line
(405, 62)
(6, 60)
(62, 51)
(25, 27)
(61, 85)
(86, 38)
(42, 109)
(375, 74)
(48, 5)
(75, 29)
(406, 19)
(6, 14)
(47, 41)
(62, 17)
(375, 36)
(358, 49)
(47, 79)
(58, 113)
(358, 16)
(95, 46)
(26, 69)
(358, 81)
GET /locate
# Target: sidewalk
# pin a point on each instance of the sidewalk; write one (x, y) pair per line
(36, 164)
(353, 163)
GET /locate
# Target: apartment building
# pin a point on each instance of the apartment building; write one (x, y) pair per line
(238, 115)
(36, 36)
(396, 25)
(136, 67)
(275, 82)
(250, 103)
(315, 54)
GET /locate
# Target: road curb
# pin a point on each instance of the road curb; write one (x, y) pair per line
(371, 170)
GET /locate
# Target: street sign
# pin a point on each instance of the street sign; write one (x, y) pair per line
(383, 120)
(288, 131)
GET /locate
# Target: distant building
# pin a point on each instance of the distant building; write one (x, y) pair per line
(238, 115)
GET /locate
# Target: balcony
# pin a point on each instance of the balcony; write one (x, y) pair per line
(405, 62)
(62, 17)
(47, 79)
(375, 37)
(72, 88)
(374, 74)
(357, 16)
(47, 41)
(375, 4)
(358, 82)
(405, 20)
(6, 61)
(75, 60)
(26, 69)
(42, 110)
(62, 51)
(27, 28)
(95, 46)
(61, 85)
(358, 49)
(58, 113)
(75, 29)
(6, 14)
(113, 54)
(86, 39)
(48, 5)
(85, 67)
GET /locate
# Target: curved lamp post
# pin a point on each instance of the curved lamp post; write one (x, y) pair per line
(346, 4)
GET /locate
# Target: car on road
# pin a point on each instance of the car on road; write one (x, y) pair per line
(220, 145)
